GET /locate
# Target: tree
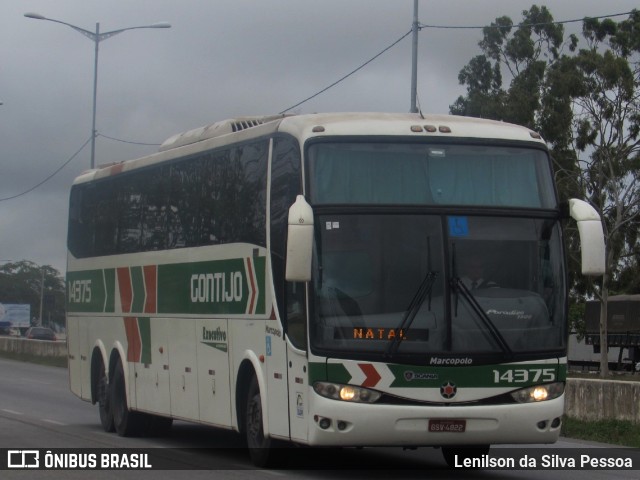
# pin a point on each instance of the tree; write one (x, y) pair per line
(28, 283)
(606, 126)
(585, 103)
(525, 51)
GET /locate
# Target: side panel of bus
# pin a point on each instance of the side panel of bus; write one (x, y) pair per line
(181, 354)
(214, 389)
(152, 377)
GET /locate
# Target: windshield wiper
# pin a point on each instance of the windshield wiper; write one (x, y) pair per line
(412, 310)
(459, 286)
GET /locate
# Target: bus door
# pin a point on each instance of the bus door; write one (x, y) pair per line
(297, 362)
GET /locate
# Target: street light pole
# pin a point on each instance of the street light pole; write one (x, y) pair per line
(97, 37)
(414, 59)
(94, 133)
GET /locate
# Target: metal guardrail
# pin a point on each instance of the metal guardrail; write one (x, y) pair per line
(41, 348)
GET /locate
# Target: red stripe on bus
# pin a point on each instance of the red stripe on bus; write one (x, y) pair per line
(134, 342)
(151, 287)
(372, 375)
(124, 285)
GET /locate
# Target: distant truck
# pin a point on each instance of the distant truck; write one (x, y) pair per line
(14, 316)
(583, 358)
(623, 327)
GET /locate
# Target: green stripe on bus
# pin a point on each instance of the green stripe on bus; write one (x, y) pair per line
(513, 375)
(484, 376)
(110, 287)
(214, 287)
(144, 325)
(91, 291)
(235, 287)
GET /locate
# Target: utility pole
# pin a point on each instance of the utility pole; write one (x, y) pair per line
(414, 60)
(41, 294)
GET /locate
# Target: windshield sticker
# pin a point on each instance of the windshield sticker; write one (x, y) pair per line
(332, 225)
(458, 227)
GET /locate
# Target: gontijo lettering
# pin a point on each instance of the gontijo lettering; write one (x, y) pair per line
(216, 287)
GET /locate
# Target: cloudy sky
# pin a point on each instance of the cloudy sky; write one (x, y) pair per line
(220, 59)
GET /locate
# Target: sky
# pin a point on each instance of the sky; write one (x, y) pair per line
(221, 59)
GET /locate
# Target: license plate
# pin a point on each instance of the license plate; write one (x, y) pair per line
(450, 426)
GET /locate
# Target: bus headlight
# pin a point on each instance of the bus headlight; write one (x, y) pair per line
(347, 393)
(538, 393)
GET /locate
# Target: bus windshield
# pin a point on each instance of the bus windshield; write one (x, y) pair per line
(413, 283)
(429, 174)
(490, 285)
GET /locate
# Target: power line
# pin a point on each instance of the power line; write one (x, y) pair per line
(348, 74)
(128, 141)
(451, 27)
(50, 176)
(477, 27)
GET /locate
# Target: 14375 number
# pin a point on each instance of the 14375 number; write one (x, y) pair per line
(524, 375)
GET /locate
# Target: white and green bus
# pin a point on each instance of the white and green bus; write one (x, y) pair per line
(327, 280)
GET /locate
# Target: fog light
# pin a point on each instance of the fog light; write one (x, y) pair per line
(542, 425)
(556, 422)
(342, 425)
(324, 423)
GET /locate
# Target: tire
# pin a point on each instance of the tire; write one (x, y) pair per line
(264, 451)
(470, 451)
(126, 422)
(104, 401)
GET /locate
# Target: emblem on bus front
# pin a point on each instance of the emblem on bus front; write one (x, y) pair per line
(448, 390)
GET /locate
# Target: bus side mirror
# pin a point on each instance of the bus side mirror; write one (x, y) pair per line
(591, 236)
(299, 241)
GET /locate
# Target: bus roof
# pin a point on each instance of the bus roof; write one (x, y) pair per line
(307, 126)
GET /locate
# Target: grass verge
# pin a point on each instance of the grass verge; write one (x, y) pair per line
(40, 360)
(616, 432)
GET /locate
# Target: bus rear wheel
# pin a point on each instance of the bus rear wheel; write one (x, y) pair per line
(126, 422)
(104, 403)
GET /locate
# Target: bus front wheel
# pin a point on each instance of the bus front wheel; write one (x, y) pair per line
(263, 450)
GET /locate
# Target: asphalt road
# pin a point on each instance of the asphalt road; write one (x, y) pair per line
(37, 410)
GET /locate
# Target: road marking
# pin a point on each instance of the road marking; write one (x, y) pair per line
(13, 412)
(55, 422)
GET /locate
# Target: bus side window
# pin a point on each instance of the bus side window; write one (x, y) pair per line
(286, 184)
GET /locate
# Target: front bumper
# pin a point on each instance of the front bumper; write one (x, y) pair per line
(351, 424)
